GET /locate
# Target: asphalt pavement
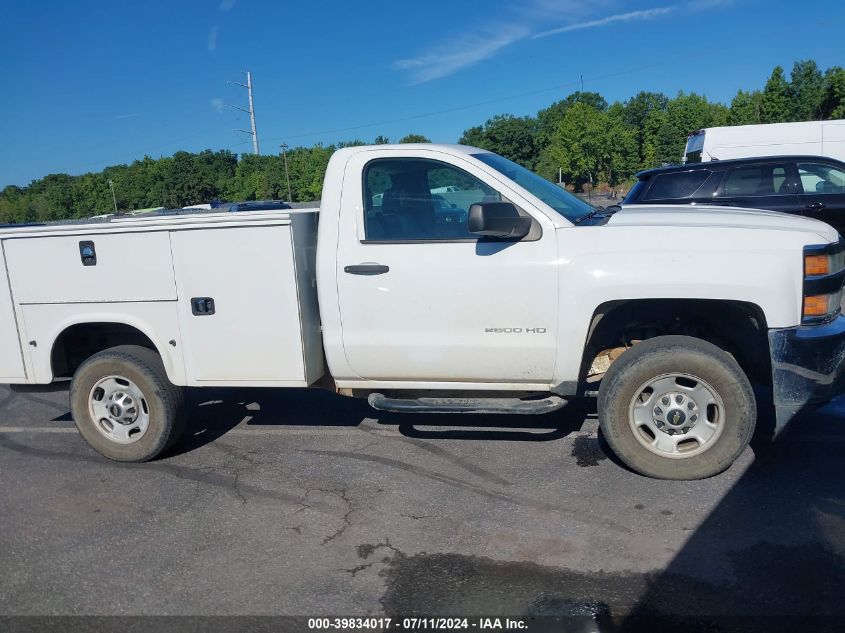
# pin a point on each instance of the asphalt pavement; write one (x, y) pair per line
(298, 502)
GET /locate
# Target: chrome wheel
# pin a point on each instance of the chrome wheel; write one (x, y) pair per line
(119, 409)
(676, 415)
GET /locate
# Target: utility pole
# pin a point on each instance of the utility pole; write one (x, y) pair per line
(582, 83)
(113, 197)
(284, 148)
(250, 112)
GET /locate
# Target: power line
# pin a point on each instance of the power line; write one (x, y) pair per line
(469, 106)
(423, 115)
(145, 152)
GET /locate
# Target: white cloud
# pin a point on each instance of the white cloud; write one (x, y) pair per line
(523, 21)
(469, 50)
(225, 5)
(120, 117)
(212, 38)
(217, 104)
(645, 14)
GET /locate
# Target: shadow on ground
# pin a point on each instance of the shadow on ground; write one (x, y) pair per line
(773, 549)
(214, 412)
(769, 557)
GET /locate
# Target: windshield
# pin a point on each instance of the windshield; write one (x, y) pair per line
(569, 206)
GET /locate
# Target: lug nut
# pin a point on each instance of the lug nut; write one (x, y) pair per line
(690, 405)
(658, 411)
(693, 418)
(665, 400)
(679, 398)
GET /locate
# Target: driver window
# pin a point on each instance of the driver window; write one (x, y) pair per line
(418, 199)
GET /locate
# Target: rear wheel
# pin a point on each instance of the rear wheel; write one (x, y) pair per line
(677, 407)
(125, 406)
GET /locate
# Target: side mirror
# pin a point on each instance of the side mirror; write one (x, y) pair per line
(498, 219)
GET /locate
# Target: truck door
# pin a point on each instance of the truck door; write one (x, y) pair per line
(422, 299)
(823, 196)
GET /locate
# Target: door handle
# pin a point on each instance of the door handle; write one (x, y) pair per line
(816, 206)
(366, 269)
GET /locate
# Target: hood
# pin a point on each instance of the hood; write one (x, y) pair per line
(718, 216)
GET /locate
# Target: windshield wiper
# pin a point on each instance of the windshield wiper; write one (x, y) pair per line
(595, 212)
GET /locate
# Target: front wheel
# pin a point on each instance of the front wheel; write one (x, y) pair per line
(124, 405)
(677, 407)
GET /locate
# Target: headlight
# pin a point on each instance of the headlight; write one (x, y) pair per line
(824, 273)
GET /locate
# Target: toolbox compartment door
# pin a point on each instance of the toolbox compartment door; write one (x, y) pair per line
(239, 310)
(122, 267)
(11, 359)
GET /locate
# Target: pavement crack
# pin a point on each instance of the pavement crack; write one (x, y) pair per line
(365, 550)
(460, 462)
(473, 488)
(366, 446)
(354, 571)
(342, 493)
(237, 488)
(205, 476)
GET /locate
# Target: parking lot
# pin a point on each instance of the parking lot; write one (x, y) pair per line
(304, 503)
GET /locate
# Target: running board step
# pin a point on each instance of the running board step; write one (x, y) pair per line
(466, 405)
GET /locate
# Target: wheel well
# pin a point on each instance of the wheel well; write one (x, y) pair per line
(79, 342)
(737, 327)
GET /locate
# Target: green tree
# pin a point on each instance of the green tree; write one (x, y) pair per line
(588, 143)
(252, 179)
(775, 102)
(624, 156)
(806, 91)
(513, 137)
(307, 167)
(640, 113)
(580, 134)
(414, 138)
(746, 108)
(833, 103)
(684, 114)
(186, 183)
(549, 118)
(353, 143)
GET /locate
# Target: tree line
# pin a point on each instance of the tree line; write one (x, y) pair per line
(580, 139)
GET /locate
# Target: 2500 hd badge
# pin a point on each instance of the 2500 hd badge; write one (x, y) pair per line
(515, 330)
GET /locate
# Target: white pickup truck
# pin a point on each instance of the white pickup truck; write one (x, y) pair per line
(439, 278)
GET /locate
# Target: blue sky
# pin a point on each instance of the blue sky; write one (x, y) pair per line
(88, 84)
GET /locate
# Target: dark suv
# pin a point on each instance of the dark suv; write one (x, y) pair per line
(812, 186)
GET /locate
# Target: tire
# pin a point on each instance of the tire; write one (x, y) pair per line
(709, 419)
(128, 381)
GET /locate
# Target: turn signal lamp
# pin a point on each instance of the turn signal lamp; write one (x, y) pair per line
(816, 265)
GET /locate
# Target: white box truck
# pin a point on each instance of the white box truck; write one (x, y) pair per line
(809, 138)
(684, 322)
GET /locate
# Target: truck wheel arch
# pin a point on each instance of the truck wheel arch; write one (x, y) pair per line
(77, 341)
(738, 327)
